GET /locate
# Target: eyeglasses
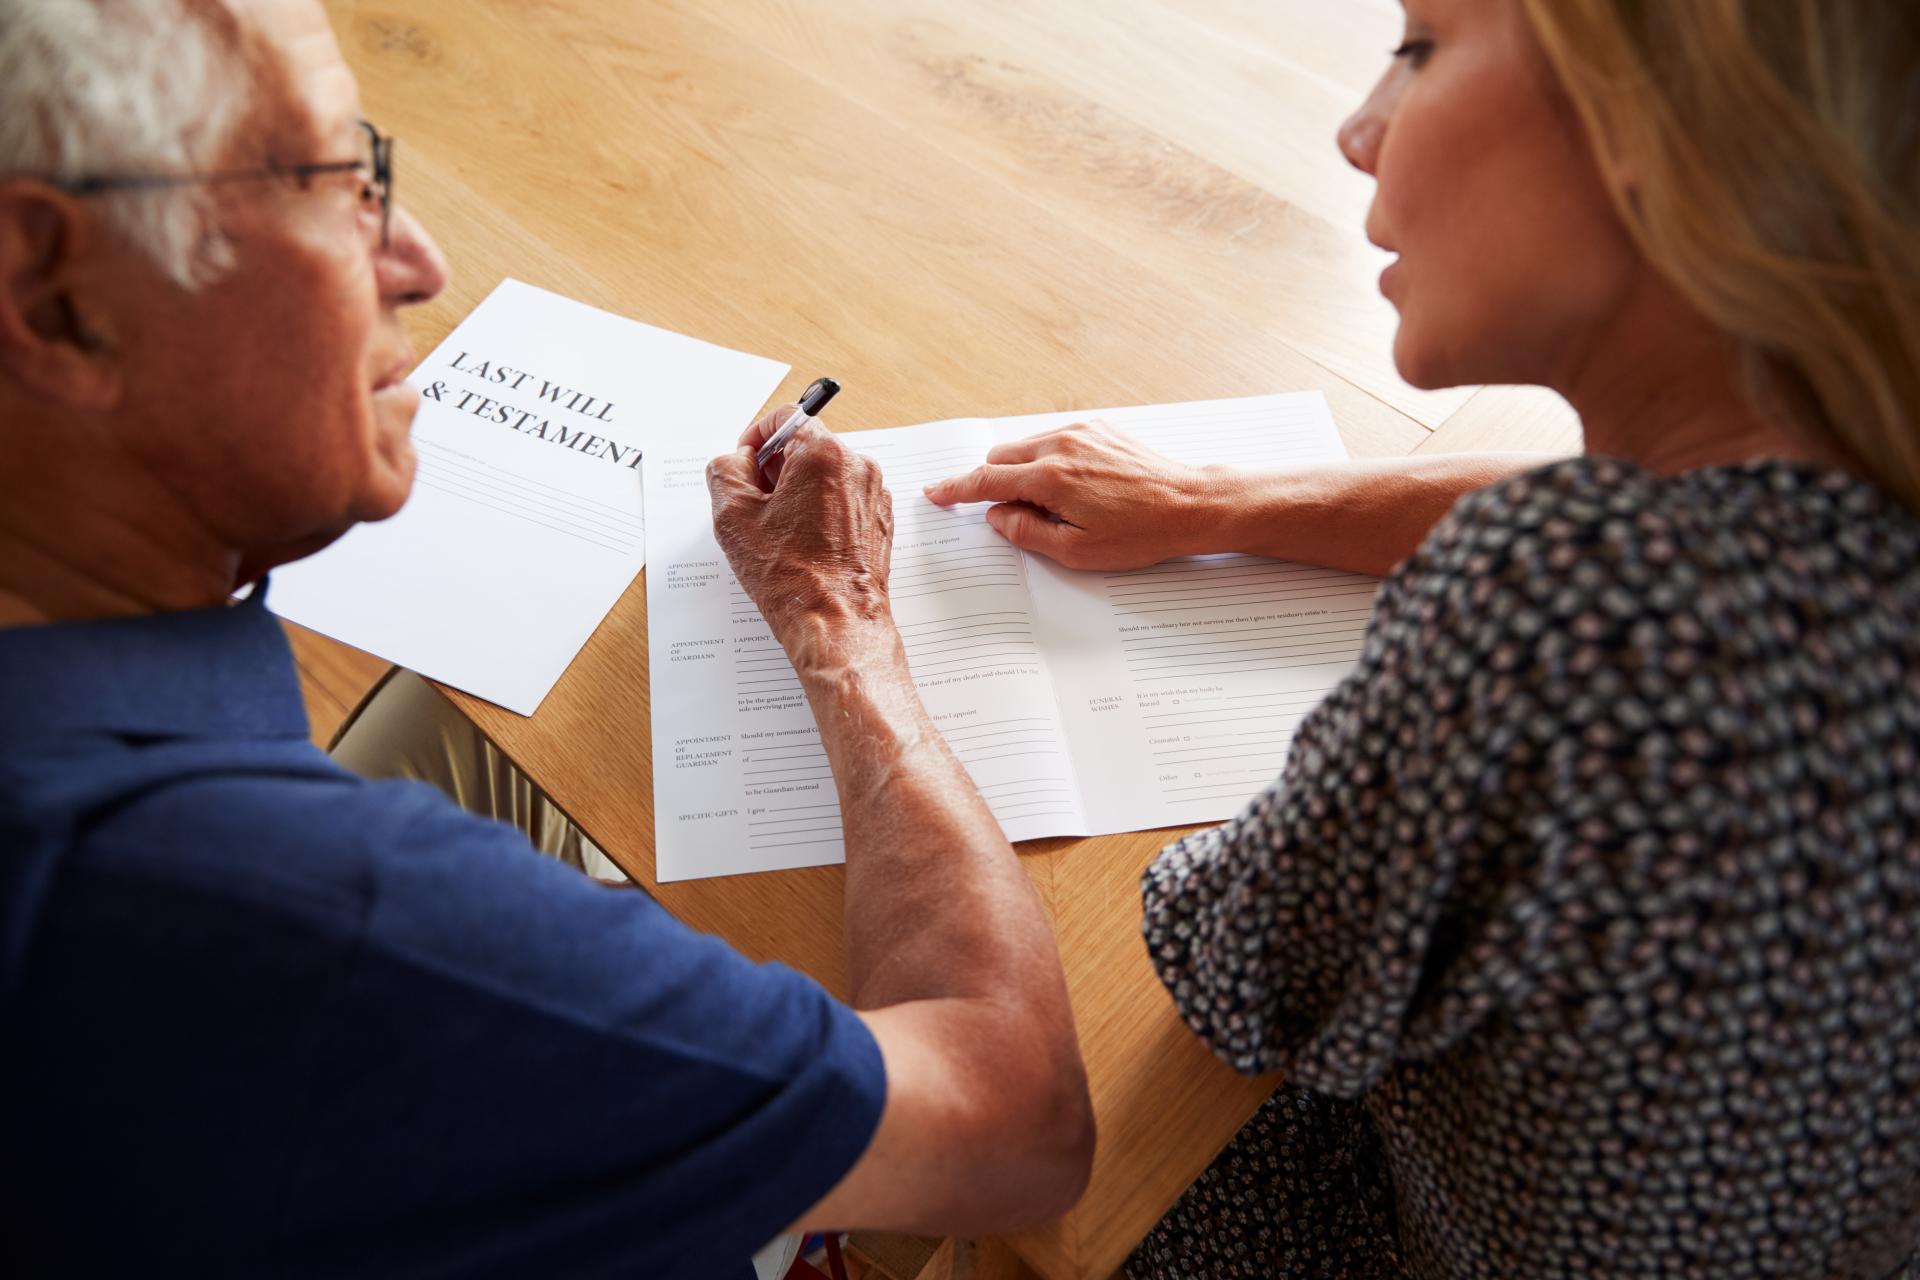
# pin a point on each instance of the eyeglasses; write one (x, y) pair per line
(375, 161)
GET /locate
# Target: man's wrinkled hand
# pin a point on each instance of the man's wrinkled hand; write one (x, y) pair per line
(812, 541)
(1088, 497)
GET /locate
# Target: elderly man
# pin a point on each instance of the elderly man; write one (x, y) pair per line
(263, 1015)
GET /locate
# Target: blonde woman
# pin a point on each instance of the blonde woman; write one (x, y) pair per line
(1585, 919)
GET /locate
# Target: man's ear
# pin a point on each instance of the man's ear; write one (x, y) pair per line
(51, 335)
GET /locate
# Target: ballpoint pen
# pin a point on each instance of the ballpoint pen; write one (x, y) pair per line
(812, 401)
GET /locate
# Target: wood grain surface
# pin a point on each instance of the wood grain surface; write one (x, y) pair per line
(997, 207)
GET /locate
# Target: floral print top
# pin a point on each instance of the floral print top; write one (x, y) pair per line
(1585, 918)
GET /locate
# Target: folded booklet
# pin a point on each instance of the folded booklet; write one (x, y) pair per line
(1082, 703)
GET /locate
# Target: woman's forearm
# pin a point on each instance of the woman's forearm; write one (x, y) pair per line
(1363, 516)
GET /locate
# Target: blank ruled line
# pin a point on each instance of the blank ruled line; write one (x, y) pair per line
(972, 725)
(1175, 591)
(998, 733)
(1215, 566)
(1344, 624)
(947, 573)
(1334, 588)
(1006, 644)
(1211, 569)
(1178, 590)
(1205, 567)
(940, 559)
(1337, 635)
(1326, 658)
(1005, 755)
(960, 644)
(428, 481)
(959, 580)
(1003, 643)
(1236, 793)
(455, 458)
(537, 504)
(1190, 608)
(1265, 765)
(990, 666)
(1039, 733)
(544, 497)
(1224, 657)
(972, 632)
(1220, 651)
(1237, 596)
(613, 539)
(910, 470)
(982, 562)
(1280, 703)
(1241, 700)
(960, 620)
(1282, 740)
(1253, 778)
(1202, 580)
(1031, 738)
(1203, 722)
(1027, 656)
(1265, 656)
(1203, 594)
(966, 584)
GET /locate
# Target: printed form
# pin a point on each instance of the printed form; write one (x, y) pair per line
(526, 519)
(1081, 703)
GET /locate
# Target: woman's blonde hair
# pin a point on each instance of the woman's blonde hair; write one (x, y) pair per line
(1765, 155)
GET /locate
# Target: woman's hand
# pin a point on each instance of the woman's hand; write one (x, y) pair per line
(811, 545)
(1090, 498)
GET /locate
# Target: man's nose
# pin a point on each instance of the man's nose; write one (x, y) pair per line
(411, 268)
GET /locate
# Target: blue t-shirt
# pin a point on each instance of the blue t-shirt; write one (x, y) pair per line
(258, 1015)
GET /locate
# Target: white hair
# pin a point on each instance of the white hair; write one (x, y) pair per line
(115, 87)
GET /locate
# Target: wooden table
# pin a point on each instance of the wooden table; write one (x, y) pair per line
(980, 207)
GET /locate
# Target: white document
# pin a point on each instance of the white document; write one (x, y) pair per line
(526, 520)
(1081, 703)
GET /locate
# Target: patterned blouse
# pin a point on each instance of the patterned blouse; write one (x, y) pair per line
(1585, 918)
